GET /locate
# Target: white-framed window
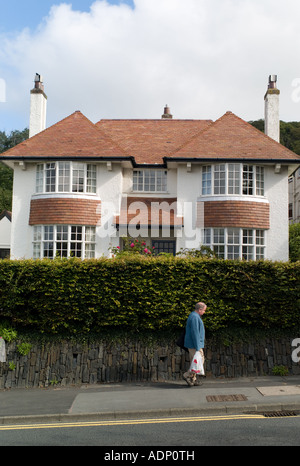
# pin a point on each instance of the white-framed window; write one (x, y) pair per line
(150, 180)
(235, 243)
(64, 241)
(233, 178)
(66, 177)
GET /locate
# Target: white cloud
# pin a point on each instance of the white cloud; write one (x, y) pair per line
(202, 57)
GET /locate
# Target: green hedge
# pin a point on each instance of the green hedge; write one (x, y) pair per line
(141, 293)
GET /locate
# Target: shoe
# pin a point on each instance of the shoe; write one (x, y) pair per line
(188, 381)
(198, 382)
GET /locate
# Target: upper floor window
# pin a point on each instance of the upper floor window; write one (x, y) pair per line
(233, 178)
(62, 177)
(150, 180)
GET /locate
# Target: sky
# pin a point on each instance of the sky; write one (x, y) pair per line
(129, 58)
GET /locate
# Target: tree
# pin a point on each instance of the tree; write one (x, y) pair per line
(294, 242)
(6, 173)
(289, 133)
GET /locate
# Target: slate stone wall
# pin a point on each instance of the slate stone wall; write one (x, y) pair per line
(67, 364)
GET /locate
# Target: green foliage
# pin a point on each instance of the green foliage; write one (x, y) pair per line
(24, 348)
(280, 370)
(294, 242)
(6, 173)
(140, 294)
(132, 247)
(7, 332)
(289, 133)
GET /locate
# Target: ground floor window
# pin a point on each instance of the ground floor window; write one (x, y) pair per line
(236, 243)
(64, 241)
(4, 253)
(168, 246)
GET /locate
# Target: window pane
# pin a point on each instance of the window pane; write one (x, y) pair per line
(233, 236)
(50, 177)
(76, 241)
(247, 252)
(91, 181)
(248, 179)
(206, 180)
(89, 251)
(64, 177)
(219, 251)
(247, 236)
(233, 252)
(36, 250)
(219, 235)
(260, 184)
(39, 178)
(233, 178)
(37, 233)
(90, 234)
(260, 237)
(150, 180)
(48, 233)
(206, 236)
(168, 246)
(219, 179)
(78, 178)
(260, 253)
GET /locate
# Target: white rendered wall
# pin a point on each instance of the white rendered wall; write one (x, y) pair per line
(21, 232)
(5, 233)
(109, 189)
(276, 190)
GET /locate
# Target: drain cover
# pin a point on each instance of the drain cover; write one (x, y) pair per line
(226, 398)
(280, 414)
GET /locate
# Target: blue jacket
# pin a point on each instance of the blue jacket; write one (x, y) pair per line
(194, 332)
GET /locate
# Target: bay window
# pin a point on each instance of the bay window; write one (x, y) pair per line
(64, 241)
(232, 179)
(235, 243)
(65, 177)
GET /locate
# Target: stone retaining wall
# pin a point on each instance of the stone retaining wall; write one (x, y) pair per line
(71, 364)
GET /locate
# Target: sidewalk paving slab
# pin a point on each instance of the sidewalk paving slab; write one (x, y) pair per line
(149, 400)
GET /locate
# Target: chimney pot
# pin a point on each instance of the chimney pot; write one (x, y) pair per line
(272, 81)
(167, 113)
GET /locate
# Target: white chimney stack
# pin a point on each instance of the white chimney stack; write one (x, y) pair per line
(272, 124)
(38, 106)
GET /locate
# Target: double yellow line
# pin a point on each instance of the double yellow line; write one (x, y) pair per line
(130, 422)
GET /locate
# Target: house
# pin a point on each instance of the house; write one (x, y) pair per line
(5, 233)
(294, 197)
(80, 187)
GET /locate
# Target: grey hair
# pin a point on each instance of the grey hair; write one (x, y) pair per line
(199, 306)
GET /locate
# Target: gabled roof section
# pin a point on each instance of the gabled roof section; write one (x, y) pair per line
(5, 213)
(149, 141)
(230, 137)
(74, 137)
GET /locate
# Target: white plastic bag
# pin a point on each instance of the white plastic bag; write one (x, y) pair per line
(2, 350)
(197, 364)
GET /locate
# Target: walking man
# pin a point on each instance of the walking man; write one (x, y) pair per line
(194, 340)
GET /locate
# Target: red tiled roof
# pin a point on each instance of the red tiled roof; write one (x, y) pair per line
(231, 137)
(74, 136)
(152, 141)
(148, 141)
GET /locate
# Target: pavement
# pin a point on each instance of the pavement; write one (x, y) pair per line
(150, 400)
